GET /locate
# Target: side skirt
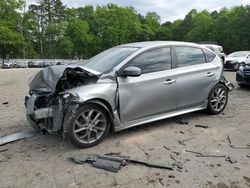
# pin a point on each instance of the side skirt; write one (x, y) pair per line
(150, 119)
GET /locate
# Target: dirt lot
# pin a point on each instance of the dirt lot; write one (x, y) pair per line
(40, 162)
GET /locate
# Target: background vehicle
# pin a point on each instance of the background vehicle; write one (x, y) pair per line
(7, 64)
(235, 59)
(126, 86)
(216, 49)
(243, 75)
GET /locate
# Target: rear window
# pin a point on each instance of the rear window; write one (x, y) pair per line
(209, 55)
(188, 56)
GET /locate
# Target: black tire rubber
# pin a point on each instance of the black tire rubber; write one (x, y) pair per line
(80, 110)
(209, 106)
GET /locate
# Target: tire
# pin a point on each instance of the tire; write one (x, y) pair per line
(89, 126)
(217, 99)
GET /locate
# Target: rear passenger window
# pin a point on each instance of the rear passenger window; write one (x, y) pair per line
(152, 61)
(209, 55)
(187, 56)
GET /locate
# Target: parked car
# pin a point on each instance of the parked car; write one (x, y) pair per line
(7, 64)
(19, 64)
(126, 86)
(243, 75)
(217, 49)
(235, 59)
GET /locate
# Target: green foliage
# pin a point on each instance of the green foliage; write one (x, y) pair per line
(49, 29)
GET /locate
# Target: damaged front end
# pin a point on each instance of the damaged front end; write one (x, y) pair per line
(50, 106)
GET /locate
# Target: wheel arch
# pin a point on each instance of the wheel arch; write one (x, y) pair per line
(103, 104)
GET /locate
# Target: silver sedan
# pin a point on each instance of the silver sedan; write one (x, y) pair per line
(126, 86)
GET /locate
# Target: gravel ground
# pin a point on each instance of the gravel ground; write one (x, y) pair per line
(40, 162)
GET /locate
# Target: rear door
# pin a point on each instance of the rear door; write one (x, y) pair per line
(196, 75)
(153, 92)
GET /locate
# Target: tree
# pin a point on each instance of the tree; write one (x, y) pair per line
(9, 36)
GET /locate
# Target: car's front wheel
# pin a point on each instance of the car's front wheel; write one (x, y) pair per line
(217, 99)
(89, 127)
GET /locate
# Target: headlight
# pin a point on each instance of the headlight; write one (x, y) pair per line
(241, 69)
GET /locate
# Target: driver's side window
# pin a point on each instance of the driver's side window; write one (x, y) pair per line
(152, 61)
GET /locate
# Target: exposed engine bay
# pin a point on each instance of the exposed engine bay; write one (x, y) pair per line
(48, 102)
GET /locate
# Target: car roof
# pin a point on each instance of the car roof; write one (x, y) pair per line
(149, 44)
(212, 45)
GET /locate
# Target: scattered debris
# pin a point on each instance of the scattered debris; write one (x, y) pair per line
(114, 163)
(229, 140)
(237, 147)
(17, 136)
(182, 142)
(240, 147)
(190, 151)
(178, 165)
(229, 159)
(3, 150)
(175, 152)
(143, 150)
(161, 181)
(183, 120)
(202, 126)
(171, 176)
(167, 148)
(172, 157)
(181, 132)
(198, 154)
(203, 155)
(5, 103)
(247, 179)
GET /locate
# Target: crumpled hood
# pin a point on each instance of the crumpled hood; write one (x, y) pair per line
(46, 79)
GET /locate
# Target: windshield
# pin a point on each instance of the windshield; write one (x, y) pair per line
(238, 54)
(107, 60)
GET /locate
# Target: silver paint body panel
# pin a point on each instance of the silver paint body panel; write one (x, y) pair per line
(146, 98)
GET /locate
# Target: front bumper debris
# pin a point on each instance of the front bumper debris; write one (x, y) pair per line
(230, 86)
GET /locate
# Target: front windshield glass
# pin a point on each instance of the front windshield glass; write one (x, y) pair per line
(238, 54)
(107, 60)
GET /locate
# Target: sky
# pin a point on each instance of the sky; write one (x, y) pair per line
(168, 10)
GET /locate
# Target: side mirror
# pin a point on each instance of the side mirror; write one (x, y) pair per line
(131, 71)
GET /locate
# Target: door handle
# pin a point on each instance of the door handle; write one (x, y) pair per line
(169, 81)
(209, 74)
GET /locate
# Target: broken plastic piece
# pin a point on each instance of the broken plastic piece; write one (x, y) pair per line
(17, 136)
(229, 159)
(108, 165)
(114, 163)
(202, 126)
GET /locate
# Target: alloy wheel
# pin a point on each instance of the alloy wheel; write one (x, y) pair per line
(89, 126)
(218, 99)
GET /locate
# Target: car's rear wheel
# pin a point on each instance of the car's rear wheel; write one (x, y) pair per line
(217, 99)
(89, 127)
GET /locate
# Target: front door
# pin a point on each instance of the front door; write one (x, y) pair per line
(154, 92)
